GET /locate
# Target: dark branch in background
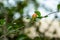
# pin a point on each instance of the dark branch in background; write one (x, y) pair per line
(50, 14)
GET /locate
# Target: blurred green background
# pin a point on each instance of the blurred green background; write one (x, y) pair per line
(16, 22)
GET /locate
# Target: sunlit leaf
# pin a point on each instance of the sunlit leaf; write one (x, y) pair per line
(38, 13)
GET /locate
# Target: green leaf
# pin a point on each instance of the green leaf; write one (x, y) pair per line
(2, 21)
(58, 7)
(23, 37)
(38, 13)
(46, 16)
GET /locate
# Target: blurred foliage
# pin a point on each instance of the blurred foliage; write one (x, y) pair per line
(58, 7)
(16, 26)
(23, 37)
(2, 21)
(13, 26)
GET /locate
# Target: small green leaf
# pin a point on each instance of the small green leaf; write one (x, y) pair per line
(2, 21)
(38, 13)
(46, 16)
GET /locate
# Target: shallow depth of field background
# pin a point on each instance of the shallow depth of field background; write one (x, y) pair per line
(16, 15)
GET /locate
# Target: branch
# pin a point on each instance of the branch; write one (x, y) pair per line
(50, 14)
